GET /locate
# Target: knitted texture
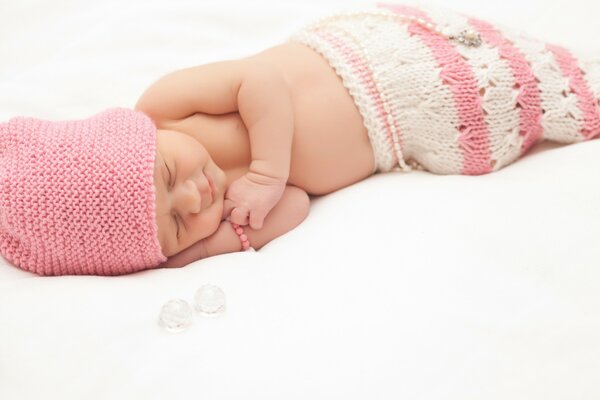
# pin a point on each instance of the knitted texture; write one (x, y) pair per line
(78, 197)
(432, 103)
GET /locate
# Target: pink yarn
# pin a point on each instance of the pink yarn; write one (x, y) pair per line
(474, 139)
(78, 197)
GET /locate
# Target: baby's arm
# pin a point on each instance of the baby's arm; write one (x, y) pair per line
(259, 92)
(286, 215)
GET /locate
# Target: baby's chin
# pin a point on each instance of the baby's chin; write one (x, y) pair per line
(219, 209)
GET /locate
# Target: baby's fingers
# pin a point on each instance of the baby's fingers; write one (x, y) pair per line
(239, 216)
(228, 207)
(256, 219)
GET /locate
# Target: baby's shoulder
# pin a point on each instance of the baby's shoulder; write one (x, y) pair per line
(224, 136)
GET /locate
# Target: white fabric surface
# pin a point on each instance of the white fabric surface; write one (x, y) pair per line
(404, 286)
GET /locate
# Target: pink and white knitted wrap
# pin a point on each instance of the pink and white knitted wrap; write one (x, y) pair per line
(432, 103)
(78, 197)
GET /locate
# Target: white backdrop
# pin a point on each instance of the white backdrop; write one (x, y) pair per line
(403, 286)
(64, 58)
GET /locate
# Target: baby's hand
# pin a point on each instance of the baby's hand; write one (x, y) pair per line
(250, 198)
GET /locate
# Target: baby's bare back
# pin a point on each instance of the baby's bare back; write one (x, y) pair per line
(331, 148)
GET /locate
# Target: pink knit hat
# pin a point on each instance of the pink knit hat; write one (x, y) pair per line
(78, 197)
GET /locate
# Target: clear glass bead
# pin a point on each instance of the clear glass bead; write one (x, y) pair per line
(209, 300)
(175, 316)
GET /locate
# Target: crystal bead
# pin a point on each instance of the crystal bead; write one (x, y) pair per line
(175, 316)
(468, 38)
(209, 300)
(470, 35)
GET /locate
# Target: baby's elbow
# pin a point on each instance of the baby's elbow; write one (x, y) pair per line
(294, 210)
(304, 206)
(291, 210)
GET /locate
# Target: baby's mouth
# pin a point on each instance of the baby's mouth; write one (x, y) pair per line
(211, 184)
(204, 191)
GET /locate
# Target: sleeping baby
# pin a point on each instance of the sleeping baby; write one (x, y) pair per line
(222, 157)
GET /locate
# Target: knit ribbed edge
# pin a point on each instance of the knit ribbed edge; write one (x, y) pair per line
(152, 209)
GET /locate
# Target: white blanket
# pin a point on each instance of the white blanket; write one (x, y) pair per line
(404, 286)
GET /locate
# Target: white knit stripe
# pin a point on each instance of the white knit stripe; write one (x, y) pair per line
(495, 76)
(558, 125)
(410, 78)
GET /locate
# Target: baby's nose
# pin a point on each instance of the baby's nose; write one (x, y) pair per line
(188, 198)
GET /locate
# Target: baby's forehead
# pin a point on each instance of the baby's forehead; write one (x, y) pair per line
(166, 141)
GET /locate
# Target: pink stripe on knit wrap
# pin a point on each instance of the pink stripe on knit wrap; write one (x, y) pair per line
(585, 99)
(362, 70)
(474, 140)
(529, 94)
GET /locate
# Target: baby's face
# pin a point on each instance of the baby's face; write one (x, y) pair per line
(190, 189)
